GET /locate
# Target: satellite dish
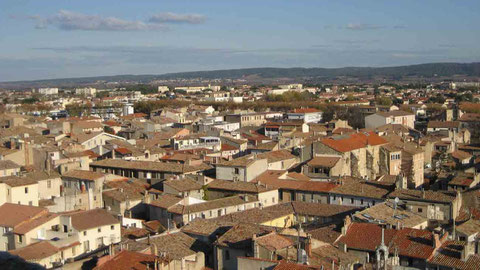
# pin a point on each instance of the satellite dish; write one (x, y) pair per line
(397, 200)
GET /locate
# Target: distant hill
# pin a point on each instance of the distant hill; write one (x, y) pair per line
(425, 70)
(422, 70)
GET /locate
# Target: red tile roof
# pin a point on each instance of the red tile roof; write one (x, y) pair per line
(128, 260)
(305, 110)
(228, 147)
(410, 242)
(36, 251)
(354, 141)
(274, 242)
(326, 162)
(123, 151)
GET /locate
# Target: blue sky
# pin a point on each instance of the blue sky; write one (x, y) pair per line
(57, 39)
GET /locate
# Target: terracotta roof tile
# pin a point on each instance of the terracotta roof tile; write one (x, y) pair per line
(274, 242)
(271, 178)
(427, 195)
(443, 124)
(461, 155)
(181, 185)
(36, 251)
(31, 224)
(12, 215)
(84, 175)
(8, 164)
(353, 141)
(326, 162)
(238, 186)
(15, 181)
(149, 165)
(410, 242)
(128, 260)
(275, 156)
(84, 220)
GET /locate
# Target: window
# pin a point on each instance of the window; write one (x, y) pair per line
(420, 210)
(99, 229)
(352, 200)
(227, 255)
(273, 200)
(26, 190)
(237, 170)
(49, 184)
(112, 227)
(84, 233)
(20, 238)
(361, 201)
(304, 197)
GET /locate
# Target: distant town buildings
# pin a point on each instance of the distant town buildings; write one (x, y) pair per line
(200, 175)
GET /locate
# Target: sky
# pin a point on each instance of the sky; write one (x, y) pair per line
(44, 39)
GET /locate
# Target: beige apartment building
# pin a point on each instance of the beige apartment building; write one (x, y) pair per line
(8, 167)
(95, 228)
(243, 169)
(433, 205)
(180, 211)
(248, 119)
(19, 190)
(403, 158)
(355, 155)
(49, 184)
(267, 195)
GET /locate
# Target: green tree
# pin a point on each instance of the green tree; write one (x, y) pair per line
(384, 101)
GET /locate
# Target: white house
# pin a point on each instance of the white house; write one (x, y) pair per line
(308, 115)
(392, 117)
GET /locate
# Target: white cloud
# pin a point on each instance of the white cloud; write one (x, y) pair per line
(170, 17)
(361, 26)
(68, 20)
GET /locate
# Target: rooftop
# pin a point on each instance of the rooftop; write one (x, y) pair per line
(426, 195)
(247, 187)
(16, 181)
(8, 165)
(149, 165)
(36, 251)
(84, 220)
(323, 161)
(84, 175)
(347, 143)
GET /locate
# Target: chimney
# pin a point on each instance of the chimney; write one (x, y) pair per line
(255, 246)
(436, 241)
(308, 246)
(346, 224)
